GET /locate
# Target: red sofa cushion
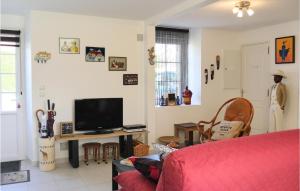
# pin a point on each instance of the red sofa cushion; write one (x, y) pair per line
(134, 181)
(267, 162)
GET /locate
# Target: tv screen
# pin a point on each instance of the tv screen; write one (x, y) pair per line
(97, 114)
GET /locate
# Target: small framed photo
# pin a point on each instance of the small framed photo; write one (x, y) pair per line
(69, 45)
(285, 50)
(171, 99)
(94, 54)
(130, 79)
(66, 129)
(117, 63)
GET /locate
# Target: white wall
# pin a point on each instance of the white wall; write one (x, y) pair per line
(268, 34)
(206, 45)
(67, 77)
(194, 67)
(149, 84)
(14, 22)
(298, 61)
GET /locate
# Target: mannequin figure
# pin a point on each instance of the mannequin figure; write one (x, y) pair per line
(277, 102)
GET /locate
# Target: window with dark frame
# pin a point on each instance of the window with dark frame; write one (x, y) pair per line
(171, 71)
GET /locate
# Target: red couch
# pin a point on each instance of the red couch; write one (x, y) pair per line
(267, 162)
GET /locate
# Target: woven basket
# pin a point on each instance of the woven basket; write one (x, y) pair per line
(140, 149)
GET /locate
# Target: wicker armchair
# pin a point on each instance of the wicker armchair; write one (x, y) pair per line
(238, 109)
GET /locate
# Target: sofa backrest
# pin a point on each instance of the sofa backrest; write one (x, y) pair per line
(268, 162)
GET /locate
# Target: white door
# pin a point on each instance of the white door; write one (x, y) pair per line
(256, 80)
(12, 136)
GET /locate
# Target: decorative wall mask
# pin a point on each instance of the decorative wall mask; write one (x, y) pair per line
(151, 56)
(218, 58)
(212, 71)
(206, 75)
(42, 57)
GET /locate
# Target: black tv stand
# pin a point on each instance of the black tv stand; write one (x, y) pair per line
(103, 131)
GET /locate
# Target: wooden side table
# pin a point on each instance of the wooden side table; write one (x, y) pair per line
(188, 129)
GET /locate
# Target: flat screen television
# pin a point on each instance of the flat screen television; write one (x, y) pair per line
(98, 114)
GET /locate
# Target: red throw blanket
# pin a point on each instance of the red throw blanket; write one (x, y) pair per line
(268, 162)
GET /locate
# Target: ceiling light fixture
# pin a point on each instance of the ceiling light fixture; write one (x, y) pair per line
(241, 7)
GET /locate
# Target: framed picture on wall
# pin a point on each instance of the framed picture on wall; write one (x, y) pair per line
(69, 45)
(130, 79)
(94, 54)
(285, 50)
(117, 63)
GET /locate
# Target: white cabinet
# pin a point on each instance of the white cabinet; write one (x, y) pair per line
(231, 69)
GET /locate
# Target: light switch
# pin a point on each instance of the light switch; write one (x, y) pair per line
(42, 91)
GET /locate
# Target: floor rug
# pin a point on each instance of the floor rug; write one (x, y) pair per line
(11, 166)
(15, 177)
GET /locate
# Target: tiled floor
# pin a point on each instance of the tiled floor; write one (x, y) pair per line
(95, 177)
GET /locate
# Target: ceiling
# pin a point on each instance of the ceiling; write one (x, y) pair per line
(219, 15)
(214, 15)
(125, 9)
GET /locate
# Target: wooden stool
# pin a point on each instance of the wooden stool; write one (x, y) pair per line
(115, 151)
(96, 151)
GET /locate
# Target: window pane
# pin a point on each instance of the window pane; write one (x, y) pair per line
(160, 52)
(8, 102)
(7, 50)
(173, 53)
(8, 83)
(7, 63)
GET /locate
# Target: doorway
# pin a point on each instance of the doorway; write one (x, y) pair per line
(256, 82)
(12, 132)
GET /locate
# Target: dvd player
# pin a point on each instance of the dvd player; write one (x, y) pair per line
(136, 126)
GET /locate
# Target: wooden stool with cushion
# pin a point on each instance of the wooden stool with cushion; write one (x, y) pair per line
(95, 147)
(115, 151)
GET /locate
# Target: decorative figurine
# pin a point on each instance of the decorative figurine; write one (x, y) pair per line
(162, 101)
(151, 56)
(178, 102)
(187, 96)
(277, 103)
(218, 58)
(212, 71)
(206, 76)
